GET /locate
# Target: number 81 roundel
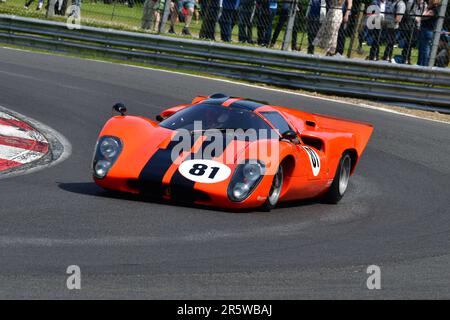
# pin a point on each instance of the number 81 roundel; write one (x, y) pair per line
(204, 171)
(314, 159)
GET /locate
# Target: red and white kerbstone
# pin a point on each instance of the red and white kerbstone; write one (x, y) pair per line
(20, 143)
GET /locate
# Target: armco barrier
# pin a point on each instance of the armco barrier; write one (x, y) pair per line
(340, 76)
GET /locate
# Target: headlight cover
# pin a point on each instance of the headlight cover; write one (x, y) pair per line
(245, 179)
(107, 150)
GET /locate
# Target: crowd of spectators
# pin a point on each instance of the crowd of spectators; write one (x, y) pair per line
(327, 24)
(405, 23)
(412, 22)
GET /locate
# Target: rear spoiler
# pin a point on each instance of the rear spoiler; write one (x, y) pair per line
(360, 130)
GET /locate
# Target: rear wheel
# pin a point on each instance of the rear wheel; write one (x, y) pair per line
(275, 191)
(340, 181)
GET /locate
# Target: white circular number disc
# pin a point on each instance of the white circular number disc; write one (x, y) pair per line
(204, 171)
(314, 160)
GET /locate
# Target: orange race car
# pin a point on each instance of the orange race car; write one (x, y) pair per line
(229, 152)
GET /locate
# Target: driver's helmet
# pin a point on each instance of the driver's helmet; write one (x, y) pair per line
(223, 118)
(215, 118)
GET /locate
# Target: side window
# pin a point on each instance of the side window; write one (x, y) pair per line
(277, 121)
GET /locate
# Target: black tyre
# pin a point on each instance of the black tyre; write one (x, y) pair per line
(275, 191)
(340, 181)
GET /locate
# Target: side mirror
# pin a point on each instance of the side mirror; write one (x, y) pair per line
(159, 118)
(289, 135)
(120, 108)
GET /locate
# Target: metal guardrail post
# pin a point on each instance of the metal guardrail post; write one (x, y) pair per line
(286, 46)
(357, 30)
(165, 17)
(437, 33)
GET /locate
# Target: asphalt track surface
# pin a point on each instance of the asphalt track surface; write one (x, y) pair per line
(395, 214)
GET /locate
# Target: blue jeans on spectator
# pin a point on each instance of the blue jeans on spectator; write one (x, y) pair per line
(245, 21)
(226, 22)
(210, 10)
(282, 21)
(375, 35)
(390, 35)
(264, 25)
(425, 43)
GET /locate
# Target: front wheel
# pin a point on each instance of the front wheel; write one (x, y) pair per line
(275, 191)
(340, 181)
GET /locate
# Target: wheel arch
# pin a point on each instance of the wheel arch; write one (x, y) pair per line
(288, 165)
(353, 156)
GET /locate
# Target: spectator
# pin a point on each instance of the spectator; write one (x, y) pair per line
(210, 13)
(327, 36)
(409, 27)
(395, 9)
(346, 11)
(245, 20)
(375, 30)
(296, 28)
(60, 7)
(39, 6)
(75, 9)
(157, 15)
(184, 8)
(427, 27)
(265, 11)
(56, 7)
(315, 15)
(228, 19)
(283, 19)
(151, 15)
(443, 54)
(147, 14)
(363, 36)
(196, 12)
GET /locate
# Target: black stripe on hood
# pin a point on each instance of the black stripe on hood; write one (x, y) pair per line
(160, 162)
(178, 180)
(153, 172)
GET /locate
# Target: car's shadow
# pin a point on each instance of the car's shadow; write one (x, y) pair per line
(91, 189)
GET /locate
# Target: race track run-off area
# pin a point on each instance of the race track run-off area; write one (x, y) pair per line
(20, 143)
(395, 213)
